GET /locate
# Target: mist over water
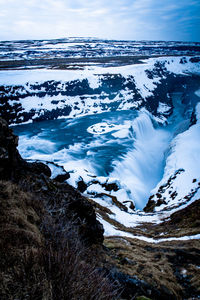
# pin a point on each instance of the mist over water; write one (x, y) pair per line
(142, 167)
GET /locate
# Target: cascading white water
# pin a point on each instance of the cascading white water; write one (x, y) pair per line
(142, 168)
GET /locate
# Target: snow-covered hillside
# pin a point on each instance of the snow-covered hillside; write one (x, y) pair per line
(181, 180)
(49, 94)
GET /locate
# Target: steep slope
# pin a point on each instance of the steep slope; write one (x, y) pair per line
(181, 180)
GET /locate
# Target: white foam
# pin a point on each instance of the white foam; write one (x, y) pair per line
(141, 168)
(32, 147)
(104, 127)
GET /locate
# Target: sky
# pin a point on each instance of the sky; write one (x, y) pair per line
(112, 19)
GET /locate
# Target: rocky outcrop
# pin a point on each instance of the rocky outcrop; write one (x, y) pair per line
(43, 257)
(63, 201)
(10, 160)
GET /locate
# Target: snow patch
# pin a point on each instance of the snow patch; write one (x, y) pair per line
(163, 108)
(185, 149)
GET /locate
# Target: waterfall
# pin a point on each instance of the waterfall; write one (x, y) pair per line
(142, 167)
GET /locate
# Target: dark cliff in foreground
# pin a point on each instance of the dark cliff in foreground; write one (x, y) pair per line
(50, 239)
(51, 244)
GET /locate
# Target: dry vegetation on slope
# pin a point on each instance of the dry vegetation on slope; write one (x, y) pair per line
(41, 259)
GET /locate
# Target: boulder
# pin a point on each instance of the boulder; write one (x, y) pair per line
(62, 177)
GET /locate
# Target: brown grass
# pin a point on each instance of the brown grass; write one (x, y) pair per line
(160, 265)
(41, 259)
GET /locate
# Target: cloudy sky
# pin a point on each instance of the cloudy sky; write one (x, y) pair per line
(114, 19)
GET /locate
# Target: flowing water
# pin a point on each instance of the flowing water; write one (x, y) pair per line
(142, 167)
(133, 150)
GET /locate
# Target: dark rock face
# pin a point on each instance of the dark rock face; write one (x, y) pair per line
(111, 187)
(195, 59)
(62, 177)
(10, 160)
(11, 163)
(81, 186)
(157, 199)
(39, 168)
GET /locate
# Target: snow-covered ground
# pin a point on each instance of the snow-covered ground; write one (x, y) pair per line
(91, 47)
(111, 231)
(27, 88)
(184, 156)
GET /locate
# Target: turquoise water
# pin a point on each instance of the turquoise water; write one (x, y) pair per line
(43, 140)
(136, 159)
